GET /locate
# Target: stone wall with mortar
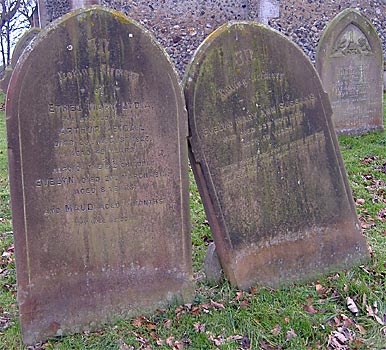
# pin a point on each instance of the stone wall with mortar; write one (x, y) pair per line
(181, 25)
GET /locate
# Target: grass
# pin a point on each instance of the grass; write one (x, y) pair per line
(307, 316)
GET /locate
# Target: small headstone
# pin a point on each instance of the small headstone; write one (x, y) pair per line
(97, 133)
(268, 9)
(266, 160)
(349, 60)
(79, 4)
(4, 82)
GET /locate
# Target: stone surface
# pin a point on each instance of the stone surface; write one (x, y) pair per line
(384, 77)
(350, 63)
(79, 4)
(266, 160)
(304, 21)
(22, 44)
(4, 82)
(180, 26)
(268, 9)
(212, 265)
(98, 168)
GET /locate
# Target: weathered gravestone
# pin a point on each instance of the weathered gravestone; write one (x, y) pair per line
(266, 159)
(350, 63)
(20, 46)
(97, 133)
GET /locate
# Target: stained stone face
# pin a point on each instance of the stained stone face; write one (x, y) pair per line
(97, 133)
(266, 160)
(350, 63)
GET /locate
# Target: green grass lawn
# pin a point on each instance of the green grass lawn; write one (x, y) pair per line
(307, 316)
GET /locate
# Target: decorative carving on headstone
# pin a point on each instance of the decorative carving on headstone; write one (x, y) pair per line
(352, 42)
(350, 62)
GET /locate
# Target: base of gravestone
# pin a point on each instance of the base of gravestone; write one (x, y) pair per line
(212, 265)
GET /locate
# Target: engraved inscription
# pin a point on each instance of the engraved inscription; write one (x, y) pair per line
(352, 83)
(104, 150)
(259, 146)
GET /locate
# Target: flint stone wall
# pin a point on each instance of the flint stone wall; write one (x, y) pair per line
(181, 26)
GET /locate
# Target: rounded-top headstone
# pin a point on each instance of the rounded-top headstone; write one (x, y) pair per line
(22, 44)
(349, 60)
(266, 159)
(97, 131)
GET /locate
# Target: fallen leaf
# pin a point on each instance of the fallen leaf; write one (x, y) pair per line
(179, 312)
(235, 338)
(178, 345)
(216, 340)
(124, 346)
(346, 321)
(361, 329)
(290, 334)
(246, 343)
(254, 291)
(364, 300)
(170, 341)
(370, 313)
(320, 290)
(276, 330)
(341, 337)
(217, 305)
(379, 320)
(310, 309)
(138, 322)
(239, 295)
(382, 215)
(244, 303)
(337, 321)
(195, 310)
(199, 327)
(141, 340)
(309, 300)
(352, 306)
(375, 307)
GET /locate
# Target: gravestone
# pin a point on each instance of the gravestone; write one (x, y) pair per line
(20, 46)
(4, 82)
(349, 60)
(268, 9)
(266, 160)
(97, 133)
(384, 77)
